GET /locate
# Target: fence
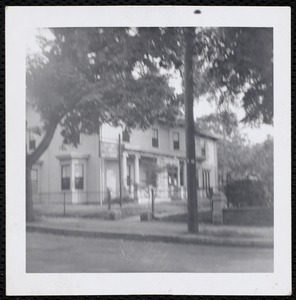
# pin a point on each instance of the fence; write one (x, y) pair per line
(97, 204)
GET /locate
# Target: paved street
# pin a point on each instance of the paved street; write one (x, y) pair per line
(53, 253)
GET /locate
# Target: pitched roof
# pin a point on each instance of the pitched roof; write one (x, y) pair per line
(181, 122)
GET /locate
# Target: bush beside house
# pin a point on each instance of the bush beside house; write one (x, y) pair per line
(246, 193)
(248, 204)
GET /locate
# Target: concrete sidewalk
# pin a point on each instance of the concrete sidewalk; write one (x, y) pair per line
(133, 229)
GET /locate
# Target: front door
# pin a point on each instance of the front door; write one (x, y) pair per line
(174, 191)
(111, 181)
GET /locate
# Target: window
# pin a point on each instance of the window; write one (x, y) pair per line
(155, 138)
(77, 138)
(32, 142)
(66, 171)
(79, 177)
(206, 179)
(34, 180)
(197, 178)
(126, 136)
(203, 148)
(176, 140)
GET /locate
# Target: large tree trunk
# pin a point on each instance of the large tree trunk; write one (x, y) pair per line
(190, 132)
(31, 159)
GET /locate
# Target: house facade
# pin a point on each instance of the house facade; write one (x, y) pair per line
(123, 162)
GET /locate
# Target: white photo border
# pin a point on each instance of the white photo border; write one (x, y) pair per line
(21, 19)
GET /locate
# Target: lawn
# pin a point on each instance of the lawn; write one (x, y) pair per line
(101, 211)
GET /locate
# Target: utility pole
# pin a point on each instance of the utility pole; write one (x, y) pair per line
(190, 132)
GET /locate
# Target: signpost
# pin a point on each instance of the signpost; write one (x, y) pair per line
(119, 168)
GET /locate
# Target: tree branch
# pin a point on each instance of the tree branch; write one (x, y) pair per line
(49, 133)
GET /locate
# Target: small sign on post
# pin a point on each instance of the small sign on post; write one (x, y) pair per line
(109, 198)
(152, 201)
(64, 204)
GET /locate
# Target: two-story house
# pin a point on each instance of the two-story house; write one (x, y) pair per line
(118, 159)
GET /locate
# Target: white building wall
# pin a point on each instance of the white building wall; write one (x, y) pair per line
(96, 170)
(50, 170)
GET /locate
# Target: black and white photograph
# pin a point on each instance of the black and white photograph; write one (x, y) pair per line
(152, 148)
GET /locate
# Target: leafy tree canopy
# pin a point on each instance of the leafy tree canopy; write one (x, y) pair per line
(231, 65)
(235, 65)
(90, 76)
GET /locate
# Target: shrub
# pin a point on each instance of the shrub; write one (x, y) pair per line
(246, 193)
(125, 199)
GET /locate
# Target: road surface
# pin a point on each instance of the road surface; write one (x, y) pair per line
(48, 253)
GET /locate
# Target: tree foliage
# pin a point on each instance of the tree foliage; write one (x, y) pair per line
(235, 65)
(92, 76)
(237, 157)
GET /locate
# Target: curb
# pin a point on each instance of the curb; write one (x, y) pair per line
(196, 240)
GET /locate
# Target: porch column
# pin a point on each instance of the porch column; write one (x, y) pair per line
(124, 169)
(178, 174)
(137, 176)
(137, 169)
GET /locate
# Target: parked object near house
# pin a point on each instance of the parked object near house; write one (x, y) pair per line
(156, 156)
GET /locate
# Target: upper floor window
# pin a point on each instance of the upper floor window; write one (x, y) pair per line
(155, 138)
(206, 179)
(66, 174)
(32, 141)
(32, 144)
(125, 136)
(77, 138)
(203, 148)
(176, 140)
(79, 176)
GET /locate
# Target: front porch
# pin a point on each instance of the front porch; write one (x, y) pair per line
(141, 171)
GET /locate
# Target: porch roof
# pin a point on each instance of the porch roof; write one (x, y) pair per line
(152, 154)
(72, 156)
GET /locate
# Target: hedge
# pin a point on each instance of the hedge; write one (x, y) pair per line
(246, 193)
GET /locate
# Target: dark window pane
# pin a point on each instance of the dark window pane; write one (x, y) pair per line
(203, 148)
(176, 140)
(65, 177)
(66, 183)
(79, 175)
(176, 145)
(155, 138)
(79, 183)
(32, 144)
(206, 179)
(126, 136)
